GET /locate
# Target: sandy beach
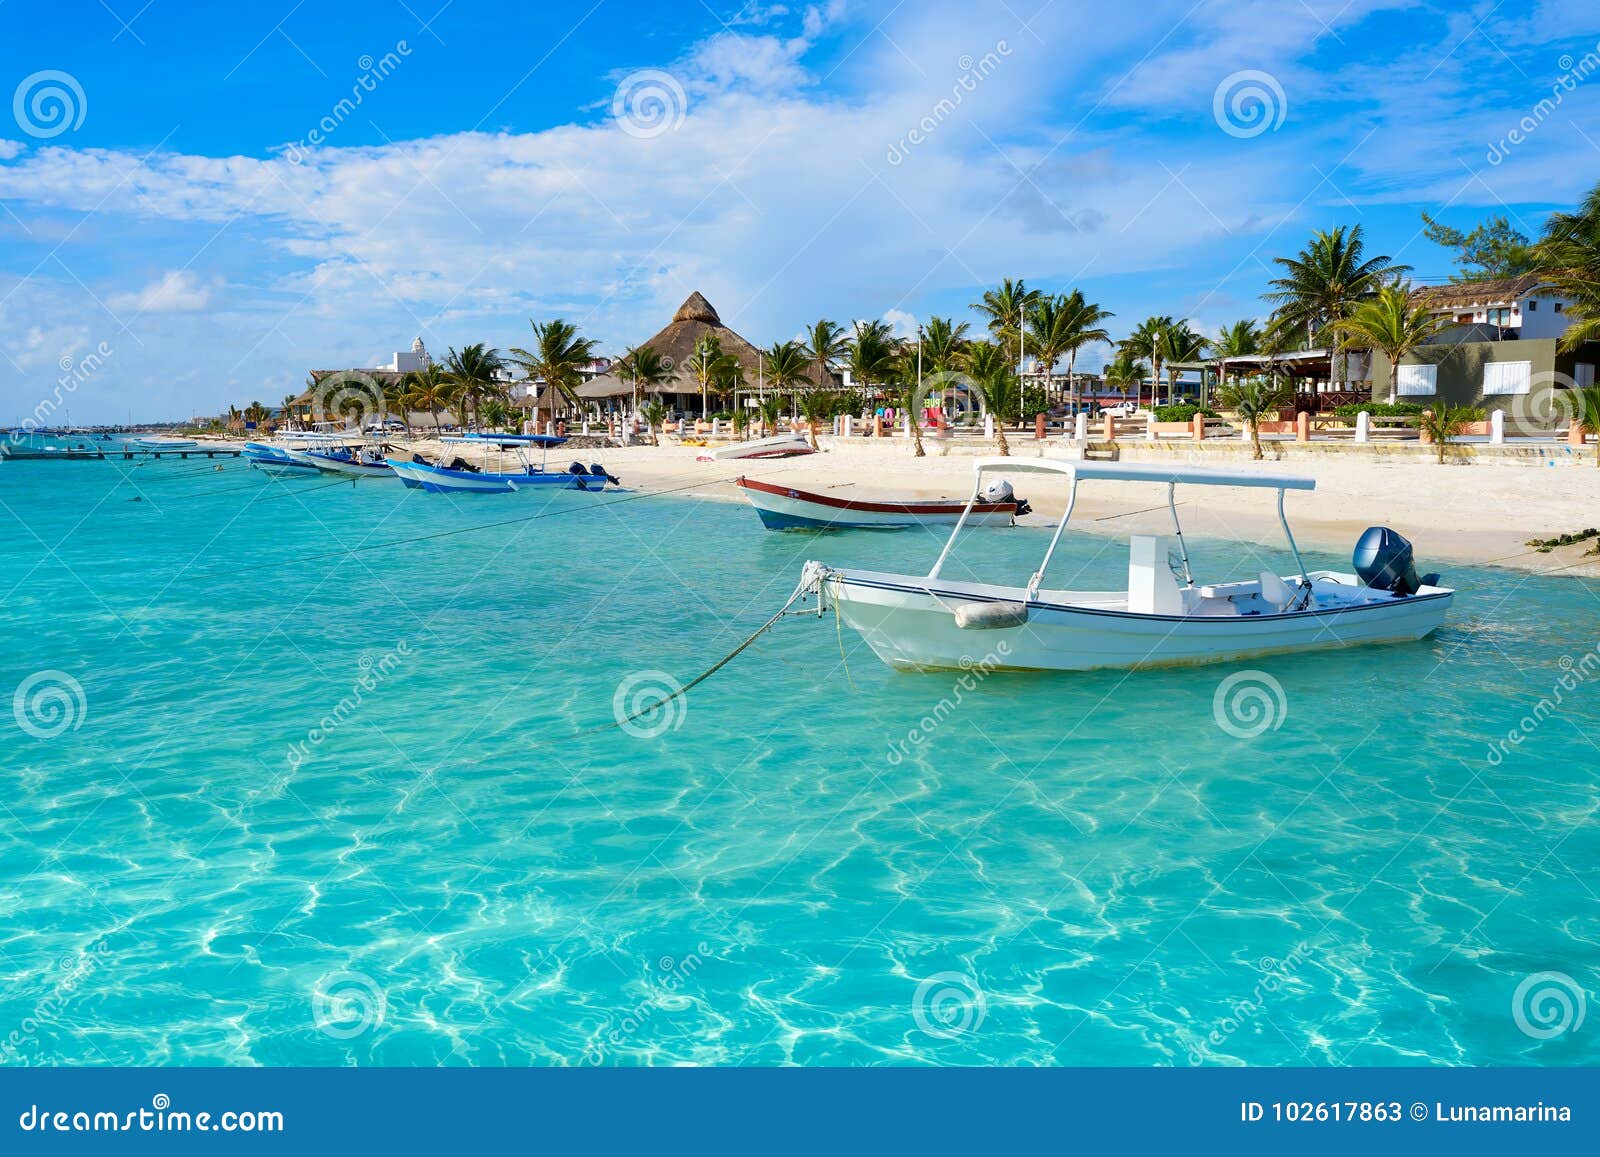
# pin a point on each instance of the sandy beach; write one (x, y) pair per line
(1472, 512)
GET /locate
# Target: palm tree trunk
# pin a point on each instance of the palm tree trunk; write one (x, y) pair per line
(1394, 379)
(1255, 437)
(1000, 439)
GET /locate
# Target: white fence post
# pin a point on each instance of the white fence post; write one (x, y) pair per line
(1497, 428)
(1363, 427)
(1150, 426)
(849, 425)
(988, 425)
(1080, 427)
(905, 425)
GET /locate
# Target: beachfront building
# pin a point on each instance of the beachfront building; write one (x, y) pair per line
(696, 318)
(405, 361)
(1501, 344)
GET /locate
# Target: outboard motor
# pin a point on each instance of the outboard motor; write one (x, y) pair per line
(577, 468)
(599, 471)
(1000, 491)
(1383, 561)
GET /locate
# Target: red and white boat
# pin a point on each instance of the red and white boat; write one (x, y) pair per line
(782, 446)
(785, 508)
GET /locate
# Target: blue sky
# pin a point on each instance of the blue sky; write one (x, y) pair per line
(210, 214)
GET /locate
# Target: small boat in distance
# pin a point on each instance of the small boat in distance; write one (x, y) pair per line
(1162, 618)
(781, 446)
(788, 508)
(460, 476)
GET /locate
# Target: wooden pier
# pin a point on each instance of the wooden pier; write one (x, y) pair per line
(95, 455)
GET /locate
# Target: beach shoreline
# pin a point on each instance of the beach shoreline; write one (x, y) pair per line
(1470, 513)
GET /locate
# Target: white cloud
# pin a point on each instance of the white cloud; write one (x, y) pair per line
(9, 149)
(179, 291)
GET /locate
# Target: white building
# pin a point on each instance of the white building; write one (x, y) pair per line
(417, 358)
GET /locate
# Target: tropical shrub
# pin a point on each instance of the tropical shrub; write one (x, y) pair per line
(1182, 412)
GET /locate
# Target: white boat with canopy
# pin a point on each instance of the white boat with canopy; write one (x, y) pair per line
(1164, 617)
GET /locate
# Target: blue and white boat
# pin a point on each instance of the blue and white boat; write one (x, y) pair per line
(278, 456)
(360, 460)
(460, 476)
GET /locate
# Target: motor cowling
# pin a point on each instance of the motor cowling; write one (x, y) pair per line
(1000, 491)
(1383, 561)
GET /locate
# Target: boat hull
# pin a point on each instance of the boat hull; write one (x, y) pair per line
(443, 480)
(912, 624)
(785, 508)
(333, 465)
(782, 446)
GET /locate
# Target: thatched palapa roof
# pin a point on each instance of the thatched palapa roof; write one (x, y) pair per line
(1496, 291)
(695, 318)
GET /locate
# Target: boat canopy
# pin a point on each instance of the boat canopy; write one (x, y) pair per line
(509, 439)
(1147, 472)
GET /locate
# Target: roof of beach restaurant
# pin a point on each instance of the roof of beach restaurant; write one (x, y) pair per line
(1490, 291)
(695, 318)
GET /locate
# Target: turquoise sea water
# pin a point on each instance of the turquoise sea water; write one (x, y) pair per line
(268, 802)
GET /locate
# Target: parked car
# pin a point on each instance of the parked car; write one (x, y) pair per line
(1122, 410)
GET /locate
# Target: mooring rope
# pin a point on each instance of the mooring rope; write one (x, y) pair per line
(799, 592)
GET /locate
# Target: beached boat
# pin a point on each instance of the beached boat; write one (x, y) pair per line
(357, 460)
(789, 508)
(275, 459)
(461, 476)
(159, 442)
(1163, 618)
(781, 446)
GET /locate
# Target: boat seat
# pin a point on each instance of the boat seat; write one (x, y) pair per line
(1276, 593)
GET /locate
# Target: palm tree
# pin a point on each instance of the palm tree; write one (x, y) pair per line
(291, 405)
(473, 374)
(707, 365)
(426, 389)
(871, 353)
(770, 409)
(1239, 340)
(1081, 327)
(784, 368)
(1253, 399)
(993, 379)
(1442, 423)
(1569, 255)
(655, 413)
(645, 368)
(1586, 411)
(1391, 323)
(1005, 312)
(394, 400)
(1145, 342)
(495, 413)
(558, 352)
(1124, 371)
(905, 391)
(825, 343)
(1178, 343)
(1324, 282)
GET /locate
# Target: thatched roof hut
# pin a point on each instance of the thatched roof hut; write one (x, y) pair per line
(695, 318)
